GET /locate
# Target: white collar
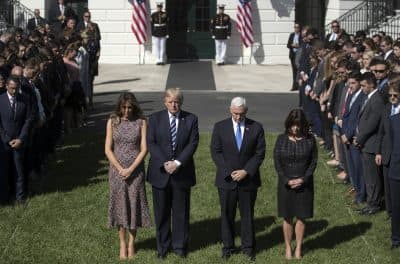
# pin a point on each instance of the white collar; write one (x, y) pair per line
(10, 96)
(387, 54)
(372, 93)
(235, 123)
(357, 93)
(176, 115)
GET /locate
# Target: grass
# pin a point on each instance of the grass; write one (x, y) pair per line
(66, 222)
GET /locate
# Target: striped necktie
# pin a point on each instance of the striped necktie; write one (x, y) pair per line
(13, 108)
(173, 132)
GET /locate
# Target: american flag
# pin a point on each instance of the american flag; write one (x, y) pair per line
(245, 22)
(139, 20)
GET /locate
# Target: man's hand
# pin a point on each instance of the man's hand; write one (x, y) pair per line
(170, 166)
(15, 143)
(238, 175)
(378, 159)
(340, 123)
(295, 183)
(345, 140)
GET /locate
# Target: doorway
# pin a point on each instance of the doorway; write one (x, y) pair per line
(189, 29)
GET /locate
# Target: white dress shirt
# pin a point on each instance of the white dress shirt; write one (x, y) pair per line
(395, 109)
(387, 54)
(62, 9)
(242, 127)
(11, 98)
(353, 99)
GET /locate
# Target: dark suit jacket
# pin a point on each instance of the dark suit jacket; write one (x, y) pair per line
(304, 61)
(55, 13)
(28, 91)
(227, 158)
(292, 53)
(160, 148)
(368, 123)
(384, 141)
(384, 90)
(350, 116)
(31, 23)
(13, 127)
(81, 26)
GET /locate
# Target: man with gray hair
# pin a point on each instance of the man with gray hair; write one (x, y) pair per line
(238, 150)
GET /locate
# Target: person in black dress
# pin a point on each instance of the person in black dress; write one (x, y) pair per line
(295, 158)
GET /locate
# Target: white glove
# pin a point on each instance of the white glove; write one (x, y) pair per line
(213, 37)
(167, 36)
(228, 37)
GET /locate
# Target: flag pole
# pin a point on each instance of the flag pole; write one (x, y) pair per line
(140, 53)
(144, 54)
(251, 52)
(242, 48)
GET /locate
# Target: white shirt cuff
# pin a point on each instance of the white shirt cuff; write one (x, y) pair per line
(178, 163)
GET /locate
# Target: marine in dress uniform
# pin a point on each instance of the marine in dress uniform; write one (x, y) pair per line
(159, 32)
(221, 31)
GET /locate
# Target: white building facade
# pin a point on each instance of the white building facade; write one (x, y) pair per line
(272, 23)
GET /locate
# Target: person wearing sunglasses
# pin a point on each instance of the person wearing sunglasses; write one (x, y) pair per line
(380, 69)
(388, 156)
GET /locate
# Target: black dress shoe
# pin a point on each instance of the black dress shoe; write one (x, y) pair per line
(395, 246)
(226, 256)
(252, 256)
(369, 210)
(181, 254)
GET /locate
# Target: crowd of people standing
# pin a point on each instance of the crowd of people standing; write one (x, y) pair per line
(349, 87)
(46, 88)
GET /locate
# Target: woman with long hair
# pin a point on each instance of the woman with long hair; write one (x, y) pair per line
(295, 158)
(126, 148)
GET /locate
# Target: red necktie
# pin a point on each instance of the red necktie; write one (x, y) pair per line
(348, 96)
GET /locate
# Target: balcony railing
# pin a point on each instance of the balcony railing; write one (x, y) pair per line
(365, 16)
(13, 13)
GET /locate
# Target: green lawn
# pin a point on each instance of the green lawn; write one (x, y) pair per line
(67, 221)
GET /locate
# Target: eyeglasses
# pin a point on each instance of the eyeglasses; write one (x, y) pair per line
(335, 26)
(379, 71)
(87, 16)
(394, 95)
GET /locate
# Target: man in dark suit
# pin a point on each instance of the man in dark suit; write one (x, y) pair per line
(334, 35)
(367, 136)
(383, 152)
(394, 167)
(59, 15)
(381, 70)
(172, 140)
(238, 149)
(386, 46)
(348, 132)
(35, 21)
(84, 23)
(293, 45)
(14, 129)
